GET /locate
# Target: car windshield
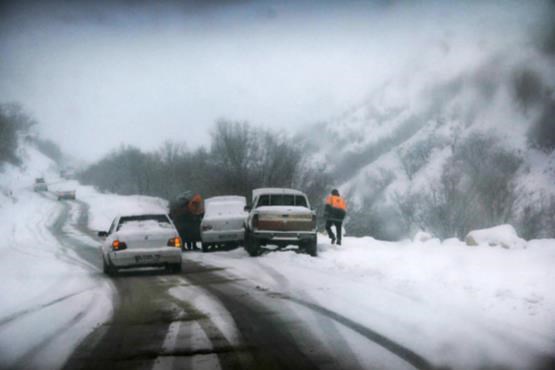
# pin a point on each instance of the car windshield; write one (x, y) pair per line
(282, 200)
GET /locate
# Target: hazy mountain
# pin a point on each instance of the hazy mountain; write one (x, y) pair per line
(467, 145)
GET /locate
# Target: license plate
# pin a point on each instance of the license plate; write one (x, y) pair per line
(147, 258)
(226, 236)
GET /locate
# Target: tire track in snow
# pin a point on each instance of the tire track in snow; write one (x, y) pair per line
(26, 361)
(339, 343)
(397, 349)
(74, 252)
(22, 313)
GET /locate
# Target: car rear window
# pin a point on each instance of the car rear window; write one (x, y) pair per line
(282, 200)
(161, 219)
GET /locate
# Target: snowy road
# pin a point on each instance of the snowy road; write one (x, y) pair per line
(51, 295)
(368, 304)
(207, 318)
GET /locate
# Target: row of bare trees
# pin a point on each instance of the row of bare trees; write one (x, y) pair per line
(476, 189)
(239, 159)
(14, 124)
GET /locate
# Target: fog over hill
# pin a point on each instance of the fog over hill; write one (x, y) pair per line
(430, 115)
(452, 143)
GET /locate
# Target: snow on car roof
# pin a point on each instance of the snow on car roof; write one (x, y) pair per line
(226, 198)
(257, 192)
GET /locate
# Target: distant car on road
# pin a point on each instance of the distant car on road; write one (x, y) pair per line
(67, 194)
(224, 222)
(280, 217)
(40, 184)
(146, 240)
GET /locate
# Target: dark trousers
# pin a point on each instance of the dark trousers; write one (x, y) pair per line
(338, 227)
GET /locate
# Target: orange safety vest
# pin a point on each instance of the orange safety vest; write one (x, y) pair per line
(336, 202)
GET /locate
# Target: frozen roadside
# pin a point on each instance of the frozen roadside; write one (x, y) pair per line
(458, 306)
(51, 299)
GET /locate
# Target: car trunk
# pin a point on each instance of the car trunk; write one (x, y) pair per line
(224, 222)
(146, 237)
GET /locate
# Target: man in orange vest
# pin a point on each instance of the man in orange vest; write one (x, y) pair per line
(334, 213)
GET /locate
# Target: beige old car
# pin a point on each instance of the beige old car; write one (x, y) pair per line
(280, 217)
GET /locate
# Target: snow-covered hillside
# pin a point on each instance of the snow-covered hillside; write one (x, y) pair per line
(396, 154)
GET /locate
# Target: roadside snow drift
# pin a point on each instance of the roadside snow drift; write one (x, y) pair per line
(51, 299)
(455, 305)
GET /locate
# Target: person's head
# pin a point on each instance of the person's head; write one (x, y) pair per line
(335, 192)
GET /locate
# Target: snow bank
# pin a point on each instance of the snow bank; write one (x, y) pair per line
(51, 298)
(456, 306)
(502, 235)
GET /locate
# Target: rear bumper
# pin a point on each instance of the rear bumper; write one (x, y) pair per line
(145, 257)
(222, 236)
(286, 236)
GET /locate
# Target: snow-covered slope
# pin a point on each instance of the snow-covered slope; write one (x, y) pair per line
(399, 143)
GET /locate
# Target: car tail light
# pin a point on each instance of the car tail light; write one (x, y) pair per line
(175, 242)
(255, 221)
(207, 227)
(118, 245)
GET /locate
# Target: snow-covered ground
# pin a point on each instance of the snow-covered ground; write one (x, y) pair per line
(456, 305)
(51, 299)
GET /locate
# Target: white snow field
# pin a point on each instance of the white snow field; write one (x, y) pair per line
(455, 305)
(50, 298)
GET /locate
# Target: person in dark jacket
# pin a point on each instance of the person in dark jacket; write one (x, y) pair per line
(187, 212)
(334, 213)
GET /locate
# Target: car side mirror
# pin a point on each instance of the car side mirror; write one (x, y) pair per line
(248, 208)
(102, 234)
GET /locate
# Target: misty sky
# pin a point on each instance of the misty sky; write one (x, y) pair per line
(100, 75)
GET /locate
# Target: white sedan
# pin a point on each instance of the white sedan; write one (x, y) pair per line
(223, 222)
(147, 240)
